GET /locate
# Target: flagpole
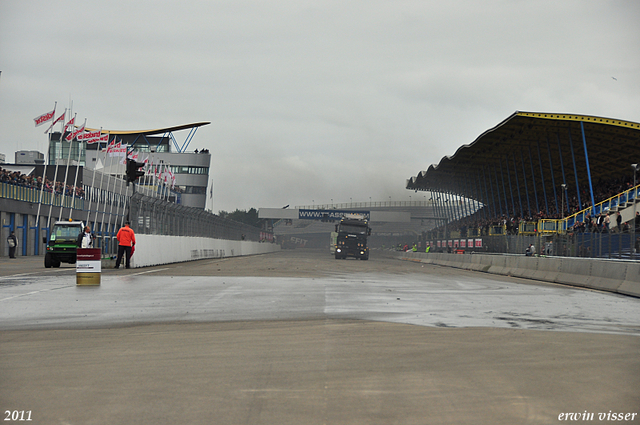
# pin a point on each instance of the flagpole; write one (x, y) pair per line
(67, 173)
(75, 181)
(126, 190)
(44, 171)
(92, 185)
(112, 222)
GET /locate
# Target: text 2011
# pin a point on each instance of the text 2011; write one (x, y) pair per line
(17, 415)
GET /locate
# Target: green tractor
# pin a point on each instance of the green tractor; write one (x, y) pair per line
(62, 243)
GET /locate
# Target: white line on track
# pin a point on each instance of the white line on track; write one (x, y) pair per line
(16, 276)
(35, 292)
(148, 271)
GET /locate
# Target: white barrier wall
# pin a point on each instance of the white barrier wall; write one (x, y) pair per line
(152, 250)
(607, 275)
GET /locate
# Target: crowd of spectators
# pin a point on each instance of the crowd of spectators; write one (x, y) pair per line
(19, 179)
(603, 222)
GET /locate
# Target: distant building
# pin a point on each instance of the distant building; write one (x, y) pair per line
(191, 169)
(29, 157)
(2, 158)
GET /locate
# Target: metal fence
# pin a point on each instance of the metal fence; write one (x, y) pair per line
(590, 245)
(153, 216)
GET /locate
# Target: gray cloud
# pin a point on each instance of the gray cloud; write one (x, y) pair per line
(313, 101)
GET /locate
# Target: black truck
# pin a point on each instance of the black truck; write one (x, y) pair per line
(351, 237)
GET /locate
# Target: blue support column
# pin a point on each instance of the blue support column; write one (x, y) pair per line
(513, 202)
(454, 209)
(467, 199)
(526, 188)
(486, 191)
(445, 202)
(553, 180)
(470, 199)
(433, 203)
(586, 157)
(544, 189)
(575, 171)
(480, 197)
(456, 206)
(533, 179)
(498, 191)
(441, 206)
(515, 171)
(564, 179)
(504, 189)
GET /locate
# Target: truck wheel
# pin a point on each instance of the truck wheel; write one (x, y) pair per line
(48, 263)
(56, 263)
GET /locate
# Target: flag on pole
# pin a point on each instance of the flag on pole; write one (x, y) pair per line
(90, 136)
(71, 122)
(44, 117)
(60, 118)
(75, 133)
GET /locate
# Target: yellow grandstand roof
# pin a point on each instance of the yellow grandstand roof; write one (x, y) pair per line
(155, 131)
(534, 153)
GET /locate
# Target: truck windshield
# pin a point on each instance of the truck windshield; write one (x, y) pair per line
(359, 230)
(66, 231)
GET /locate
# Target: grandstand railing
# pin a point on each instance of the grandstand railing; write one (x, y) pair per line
(32, 194)
(615, 202)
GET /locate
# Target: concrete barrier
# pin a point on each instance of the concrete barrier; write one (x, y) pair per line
(152, 250)
(617, 276)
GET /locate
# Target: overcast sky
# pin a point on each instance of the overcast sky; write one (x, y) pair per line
(311, 101)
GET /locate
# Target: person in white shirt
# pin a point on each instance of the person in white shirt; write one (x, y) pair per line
(85, 239)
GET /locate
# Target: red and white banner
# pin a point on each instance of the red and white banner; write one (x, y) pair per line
(74, 134)
(44, 118)
(90, 136)
(69, 123)
(478, 243)
(117, 149)
(57, 120)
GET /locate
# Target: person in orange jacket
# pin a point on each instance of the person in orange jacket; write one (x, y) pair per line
(126, 239)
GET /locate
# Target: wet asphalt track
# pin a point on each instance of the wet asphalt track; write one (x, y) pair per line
(297, 337)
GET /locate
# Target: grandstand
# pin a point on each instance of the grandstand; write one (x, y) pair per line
(541, 173)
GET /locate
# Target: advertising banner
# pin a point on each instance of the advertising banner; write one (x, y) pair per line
(88, 260)
(330, 215)
(88, 266)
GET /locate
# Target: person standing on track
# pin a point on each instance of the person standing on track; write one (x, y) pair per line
(126, 239)
(13, 244)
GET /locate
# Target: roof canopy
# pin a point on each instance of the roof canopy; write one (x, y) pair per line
(152, 132)
(533, 154)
